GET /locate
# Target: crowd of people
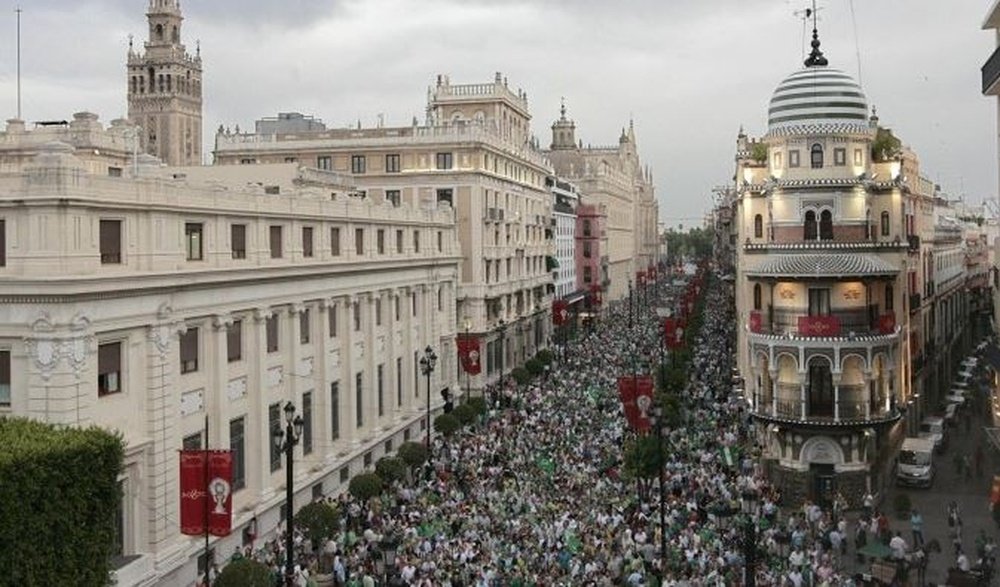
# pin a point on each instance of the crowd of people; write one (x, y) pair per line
(537, 495)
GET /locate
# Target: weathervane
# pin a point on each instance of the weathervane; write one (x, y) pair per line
(815, 58)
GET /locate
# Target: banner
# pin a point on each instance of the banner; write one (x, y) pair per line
(755, 321)
(818, 326)
(626, 391)
(673, 333)
(559, 312)
(193, 494)
(887, 323)
(643, 403)
(595, 292)
(468, 354)
(220, 492)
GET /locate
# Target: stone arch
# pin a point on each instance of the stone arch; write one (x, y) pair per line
(819, 357)
(862, 361)
(821, 450)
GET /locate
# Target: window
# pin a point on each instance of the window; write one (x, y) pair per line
(271, 333)
(307, 241)
(380, 374)
(413, 304)
(5, 378)
(777, 160)
(888, 298)
(335, 410)
(356, 309)
(416, 241)
(111, 242)
(810, 226)
(395, 304)
(331, 321)
(109, 370)
(440, 236)
(587, 274)
(307, 422)
(275, 238)
(444, 195)
(378, 311)
(114, 171)
(586, 227)
(189, 351)
(859, 157)
(234, 341)
(826, 225)
(440, 299)
(820, 389)
(335, 241)
(840, 157)
(239, 455)
(586, 249)
(274, 426)
(380, 241)
(399, 381)
(359, 241)
(443, 160)
(399, 241)
(192, 442)
(392, 164)
(3, 243)
(816, 156)
(238, 240)
(358, 163)
(304, 329)
(758, 226)
(192, 238)
(393, 197)
(359, 412)
(819, 302)
(793, 158)
(323, 162)
(884, 219)
(756, 296)
(345, 473)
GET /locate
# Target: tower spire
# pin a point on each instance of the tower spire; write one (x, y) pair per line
(815, 58)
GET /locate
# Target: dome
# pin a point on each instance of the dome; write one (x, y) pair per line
(817, 98)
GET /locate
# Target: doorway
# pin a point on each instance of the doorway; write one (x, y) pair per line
(824, 486)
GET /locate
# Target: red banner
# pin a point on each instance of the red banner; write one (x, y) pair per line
(887, 323)
(819, 326)
(468, 354)
(193, 494)
(755, 320)
(673, 333)
(220, 492)
(640, 278)
(636, 394)
(595, 293)
(559, 312)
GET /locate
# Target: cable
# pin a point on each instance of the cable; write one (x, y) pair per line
(857, 45)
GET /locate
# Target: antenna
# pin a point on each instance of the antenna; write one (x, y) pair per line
(18, 12)
(804, 15)
(857, 45)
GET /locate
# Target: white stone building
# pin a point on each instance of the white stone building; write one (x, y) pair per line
(565, 199)
(146, 304)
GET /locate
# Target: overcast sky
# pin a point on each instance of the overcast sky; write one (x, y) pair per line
(690, 72)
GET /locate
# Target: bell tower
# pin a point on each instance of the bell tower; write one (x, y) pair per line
(563, 131)
(164, 88)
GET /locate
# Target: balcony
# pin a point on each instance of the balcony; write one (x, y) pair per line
(914, 243)
(836, 324)
(991, 74)
(828, 413)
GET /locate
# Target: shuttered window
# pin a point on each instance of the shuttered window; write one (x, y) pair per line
(189, 351)
(109, 368)
(111, 241)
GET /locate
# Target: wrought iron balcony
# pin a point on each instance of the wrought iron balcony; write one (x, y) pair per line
(844, 323)
(846, 412)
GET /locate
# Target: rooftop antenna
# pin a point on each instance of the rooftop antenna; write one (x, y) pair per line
(805, 14)
(857, 44)
(18, 12)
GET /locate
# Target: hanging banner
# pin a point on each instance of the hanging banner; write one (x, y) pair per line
(468, 354)
(626, 391)
(643, 403)
(193, 494)
(755, 321)
(220, 492)
(887, 323)
(595, 292)
(559, 312)
(673, 333)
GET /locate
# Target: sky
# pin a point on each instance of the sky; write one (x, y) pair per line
(688, 72)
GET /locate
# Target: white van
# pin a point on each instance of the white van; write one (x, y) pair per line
(915, 465)
(933, 428)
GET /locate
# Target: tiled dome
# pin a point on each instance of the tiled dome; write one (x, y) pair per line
(817, 95)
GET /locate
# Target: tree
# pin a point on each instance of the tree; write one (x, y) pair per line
(59, 495)
(365, 486)
(520, 375)
(446, 424)
(465, 413)
(244, 573)
(390, 469)
(545, 356)
(534, 367)
(477, 404)
(758, 152)
(319, 520)
(414, 454)
(644, 458)
(886, 145)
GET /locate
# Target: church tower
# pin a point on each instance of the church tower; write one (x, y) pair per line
(164, 89)
(563, 132)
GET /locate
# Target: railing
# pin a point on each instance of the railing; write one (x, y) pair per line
(784, 321)
(991, 72)
(844, 411)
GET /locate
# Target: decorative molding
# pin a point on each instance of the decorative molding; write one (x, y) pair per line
(222, 321)
(305, 368)
(274, 376)
(192, 402)
(236, 388)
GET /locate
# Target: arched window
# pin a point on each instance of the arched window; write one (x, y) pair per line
(820, 391)
(884, 218)
(758, 226)
(175, 35)
(756, 296)
(152, 80)
(159, 32)
(816, 154)
(810, 229)
(826, 226)
(888, 297)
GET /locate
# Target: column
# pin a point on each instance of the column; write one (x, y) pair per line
(161, 414)
(392, 374)
(802, 399)
(256, 433)
(774, 391)
(836, 399)
(217, 396)
(348, 421)
(322, 443)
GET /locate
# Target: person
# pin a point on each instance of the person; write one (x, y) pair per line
(917, 527)
(898, 547)
(962, 562)
(868, 502)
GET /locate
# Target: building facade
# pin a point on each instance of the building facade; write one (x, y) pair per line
(473, 155)
(820, 291)
(615, 178)
(164, 88)
(156, 302)
(565, 201)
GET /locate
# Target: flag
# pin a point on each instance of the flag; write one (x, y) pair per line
(220, 492)
(193, 494)
(626, 391)
(559, 312)
(755, 321)
(643, 402)
(468, 354)
(673, 333)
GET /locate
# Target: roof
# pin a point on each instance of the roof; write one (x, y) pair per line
(828, 265)
(817, 95)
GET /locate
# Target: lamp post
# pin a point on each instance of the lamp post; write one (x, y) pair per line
(467, 322)
(285, 440)
(427, 363)
(660, 423)
(385, 560)
(501, 334)
(749, 506)
(630, 306)
(663, 313)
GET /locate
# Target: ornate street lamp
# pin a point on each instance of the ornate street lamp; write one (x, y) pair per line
(749, 507)
(385, 560)
(285, 441)
(427, 363)
(467, 322)
(501, 334)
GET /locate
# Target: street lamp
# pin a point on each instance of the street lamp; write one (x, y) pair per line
(660, 423)
(385, 560)
(285, 441)
(427, 363)
(501, 334)
(749, 506)
(663, 313)
(467, 322)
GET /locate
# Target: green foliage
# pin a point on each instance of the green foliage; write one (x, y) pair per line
(644, 457)
(465, 413)
(520, 375)
(545, 356)
(886, 145)
(244, 573)
(534, 367)
(671, 405)
(758, 152)
(447, 424)
(414, 454)
(694, 244)
(58, 497)
(477, 404)
(390, 469)
(551, 263)
(319, 520)
(365, 486)
(903, 505)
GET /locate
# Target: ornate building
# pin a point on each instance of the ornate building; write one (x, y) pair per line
(164, 88)
(824, 242)
(612, 177)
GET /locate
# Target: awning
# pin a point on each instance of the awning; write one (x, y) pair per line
(992, 356)
(829, 265)
(575, 297)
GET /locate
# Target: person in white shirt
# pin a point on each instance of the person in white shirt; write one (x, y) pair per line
(963, 562)
(898, 547)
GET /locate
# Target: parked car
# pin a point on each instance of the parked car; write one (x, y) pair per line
(956, 397)
(950, 413)
(915, 465)
(933, 428)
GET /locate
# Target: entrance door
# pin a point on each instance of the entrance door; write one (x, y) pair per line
(823, 484)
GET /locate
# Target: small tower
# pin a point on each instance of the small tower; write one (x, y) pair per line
(563, 131)
(164, 89)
